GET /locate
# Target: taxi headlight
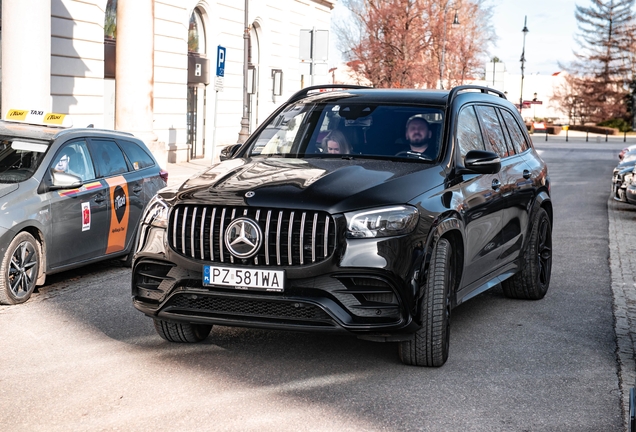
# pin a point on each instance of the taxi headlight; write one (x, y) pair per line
(381, 222)
(156, 213)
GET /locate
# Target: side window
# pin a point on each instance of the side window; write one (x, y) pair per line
(516, 133)
(495, 140)
(137, 156)
(468, 132)
(108, 158)
(75, 159)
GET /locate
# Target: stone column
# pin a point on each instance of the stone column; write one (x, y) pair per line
(134, 73)
(26, 55)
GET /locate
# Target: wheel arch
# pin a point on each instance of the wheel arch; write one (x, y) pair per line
(451, 228)
(39, 238)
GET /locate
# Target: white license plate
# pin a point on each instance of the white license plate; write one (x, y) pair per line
(242, 278)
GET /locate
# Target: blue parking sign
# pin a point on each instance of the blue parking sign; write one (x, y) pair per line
(220, 61)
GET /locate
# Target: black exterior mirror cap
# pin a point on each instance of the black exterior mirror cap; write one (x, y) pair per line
(482, 162)
(229, 151)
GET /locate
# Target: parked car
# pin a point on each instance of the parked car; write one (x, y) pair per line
(440, 198)
(71, 196)
(622, 176)
(627, 149)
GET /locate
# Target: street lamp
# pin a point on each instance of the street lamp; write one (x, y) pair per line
(523, 60)
(441, 63)
(245, 121)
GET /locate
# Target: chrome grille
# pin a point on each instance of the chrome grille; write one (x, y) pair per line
(290, 237)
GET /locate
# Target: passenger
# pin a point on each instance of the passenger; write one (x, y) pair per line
(335, 143)
(419, 135)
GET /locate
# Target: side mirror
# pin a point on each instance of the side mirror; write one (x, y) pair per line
(229, 151)
(61, 180)
(482, 162)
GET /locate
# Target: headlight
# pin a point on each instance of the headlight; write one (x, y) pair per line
(156, 213)
(382, 222)
(628, 178)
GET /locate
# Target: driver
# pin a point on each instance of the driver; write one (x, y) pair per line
(419, 135)
(63, 162)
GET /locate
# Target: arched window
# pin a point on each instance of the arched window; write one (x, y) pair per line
(110, 33)
(196, 34)
(110, 20)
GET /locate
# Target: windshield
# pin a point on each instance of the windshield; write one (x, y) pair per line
(19, 158)
(345, 129)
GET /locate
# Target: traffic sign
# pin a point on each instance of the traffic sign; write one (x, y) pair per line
(220, 61)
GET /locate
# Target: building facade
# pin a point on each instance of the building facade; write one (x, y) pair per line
(150, 66)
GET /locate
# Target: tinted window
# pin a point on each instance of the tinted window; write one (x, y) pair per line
(516, 133)
(136, 155)
(75, 159)
(468, 132)
(107, 157)
(495, 140)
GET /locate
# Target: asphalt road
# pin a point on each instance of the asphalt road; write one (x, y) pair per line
(78, 357)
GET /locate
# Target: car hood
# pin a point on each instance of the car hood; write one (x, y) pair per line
(7, 188)
(332, 185)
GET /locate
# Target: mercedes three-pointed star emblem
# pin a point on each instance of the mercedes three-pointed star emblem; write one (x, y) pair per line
(243, 237)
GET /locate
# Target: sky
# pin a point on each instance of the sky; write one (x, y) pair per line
(550, 38)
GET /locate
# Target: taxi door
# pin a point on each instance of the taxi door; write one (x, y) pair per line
(79, 216)
(125, 193)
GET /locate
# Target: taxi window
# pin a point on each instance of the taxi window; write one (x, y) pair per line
(19, 159)
(74, 159)
(108, 158)
(137, 156)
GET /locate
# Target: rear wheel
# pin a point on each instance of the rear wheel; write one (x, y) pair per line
(182, 332)
(19, 269)
(532, 282)
(430, 344)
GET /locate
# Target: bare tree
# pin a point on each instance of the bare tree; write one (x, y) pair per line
(412, 43)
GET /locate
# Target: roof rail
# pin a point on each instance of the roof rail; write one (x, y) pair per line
(456, 90)
(323, 87)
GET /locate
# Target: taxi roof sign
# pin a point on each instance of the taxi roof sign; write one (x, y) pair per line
(38, 117)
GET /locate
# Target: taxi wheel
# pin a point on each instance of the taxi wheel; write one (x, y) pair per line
(181, 332)
(19, 270)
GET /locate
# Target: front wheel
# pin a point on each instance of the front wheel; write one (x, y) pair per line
(182, 332)
(430, 344)
(532, 282)
(19, 269)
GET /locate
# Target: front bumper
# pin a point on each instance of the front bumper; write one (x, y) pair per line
(326, 296)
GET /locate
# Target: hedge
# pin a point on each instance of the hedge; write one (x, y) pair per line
(595, 129)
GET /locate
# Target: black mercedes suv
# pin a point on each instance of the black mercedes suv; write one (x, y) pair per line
(367, 211)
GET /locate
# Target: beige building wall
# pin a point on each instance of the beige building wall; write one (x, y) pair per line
(78, 87)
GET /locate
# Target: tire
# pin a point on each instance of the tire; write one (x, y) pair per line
(533, 281)
(430, 344)
(20, 269)
(182, 332)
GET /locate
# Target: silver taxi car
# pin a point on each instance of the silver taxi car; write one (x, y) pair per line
(70, 197)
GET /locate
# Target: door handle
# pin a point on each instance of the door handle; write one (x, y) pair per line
(137, 189)
(496, 184)
(526, 174)
(99, 198)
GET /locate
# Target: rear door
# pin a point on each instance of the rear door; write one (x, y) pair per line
(516, 184)
(79, 216)
(112, 168)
